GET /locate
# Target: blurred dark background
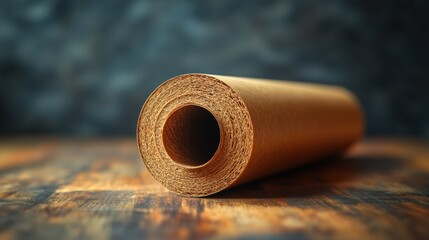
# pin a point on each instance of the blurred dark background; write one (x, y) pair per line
(84, 68)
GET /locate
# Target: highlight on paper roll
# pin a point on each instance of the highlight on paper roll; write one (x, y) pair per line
(199, 134)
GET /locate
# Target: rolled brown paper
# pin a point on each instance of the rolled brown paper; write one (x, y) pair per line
(199, 134)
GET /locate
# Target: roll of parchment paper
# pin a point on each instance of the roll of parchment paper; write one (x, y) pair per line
(199, 134)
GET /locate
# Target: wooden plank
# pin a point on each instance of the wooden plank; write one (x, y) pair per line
(99, 189)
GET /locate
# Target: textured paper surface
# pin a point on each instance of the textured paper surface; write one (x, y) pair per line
(200, 134)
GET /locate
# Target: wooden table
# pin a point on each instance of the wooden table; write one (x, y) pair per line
(99, 189)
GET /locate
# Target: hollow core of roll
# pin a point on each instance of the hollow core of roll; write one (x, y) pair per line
(191, 136)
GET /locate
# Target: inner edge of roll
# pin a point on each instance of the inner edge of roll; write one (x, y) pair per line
(182, 149)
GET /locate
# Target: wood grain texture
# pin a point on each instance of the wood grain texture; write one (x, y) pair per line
(99, 189)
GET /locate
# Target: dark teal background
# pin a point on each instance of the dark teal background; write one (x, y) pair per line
(84, 68)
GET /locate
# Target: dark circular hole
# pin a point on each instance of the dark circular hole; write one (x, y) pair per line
(191, 135)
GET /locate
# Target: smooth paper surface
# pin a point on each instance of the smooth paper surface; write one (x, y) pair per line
(199, 134)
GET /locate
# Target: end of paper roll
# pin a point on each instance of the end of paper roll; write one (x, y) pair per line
(200, 134)
(191, 135)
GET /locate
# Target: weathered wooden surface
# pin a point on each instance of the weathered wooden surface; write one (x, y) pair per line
(99, 189)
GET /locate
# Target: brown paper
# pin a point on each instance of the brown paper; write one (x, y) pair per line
(199, 134)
